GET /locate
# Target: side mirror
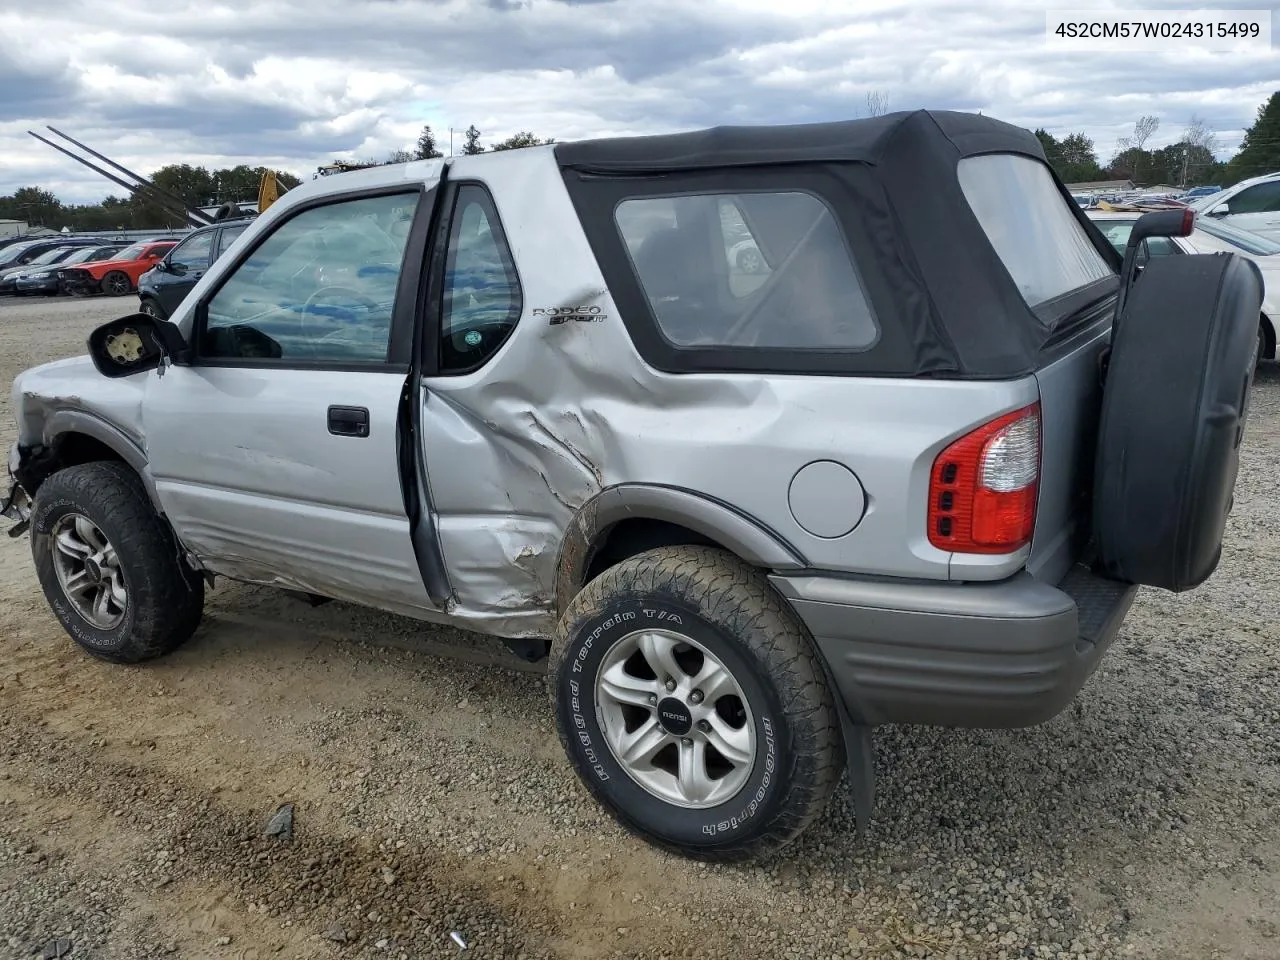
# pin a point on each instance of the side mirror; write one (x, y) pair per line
(1221, 210)
(134, 344)
(174, 267)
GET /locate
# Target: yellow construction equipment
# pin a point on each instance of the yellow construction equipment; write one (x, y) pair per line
(268, 190)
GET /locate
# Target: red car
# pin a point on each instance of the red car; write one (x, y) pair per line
(117, 276)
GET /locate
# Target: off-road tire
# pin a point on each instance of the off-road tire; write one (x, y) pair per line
(731, 609)
(165, 596)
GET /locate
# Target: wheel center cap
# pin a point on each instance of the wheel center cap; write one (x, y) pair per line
(92, 569)
(674, 717)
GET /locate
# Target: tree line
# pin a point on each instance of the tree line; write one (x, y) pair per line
(195, 186)
(1188, 162)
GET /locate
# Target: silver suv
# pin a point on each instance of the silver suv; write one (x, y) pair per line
(893, 467)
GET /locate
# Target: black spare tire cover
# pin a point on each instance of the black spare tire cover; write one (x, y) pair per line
(1173, 411)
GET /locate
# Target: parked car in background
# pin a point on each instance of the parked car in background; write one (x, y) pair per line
(44, 278)
(1209, 236)
(50, 256)
(20, 254)
(117, 276)
(1196, 192)
(1252, 205)
(163, 287)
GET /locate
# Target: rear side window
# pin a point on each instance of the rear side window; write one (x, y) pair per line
(764, 270)
(482, 298)
(227, 238)
(1031, 226)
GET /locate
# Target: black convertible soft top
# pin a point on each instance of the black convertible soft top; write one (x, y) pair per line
(946, 304)
(878, 140)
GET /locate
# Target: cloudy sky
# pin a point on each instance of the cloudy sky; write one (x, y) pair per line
(297, 83)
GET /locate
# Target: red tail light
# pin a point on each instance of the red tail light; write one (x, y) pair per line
(982, 493)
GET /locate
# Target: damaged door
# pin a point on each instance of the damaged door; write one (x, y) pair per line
(277, 453)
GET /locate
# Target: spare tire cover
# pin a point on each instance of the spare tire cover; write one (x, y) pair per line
(1173, 411)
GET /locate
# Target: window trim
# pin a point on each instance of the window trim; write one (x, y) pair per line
(400, 339)
(434, 326)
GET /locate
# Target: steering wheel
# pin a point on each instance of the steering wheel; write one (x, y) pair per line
(331, 290)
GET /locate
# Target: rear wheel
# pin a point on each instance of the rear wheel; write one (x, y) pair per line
(692, 705)
(116, 283)
(110, 568)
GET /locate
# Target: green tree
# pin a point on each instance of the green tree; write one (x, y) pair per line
(1260, 149)
(240, 183)
(401, 156)
(471, 144)
(518, 140)
(1079, 161)
(35, 205)
(195, 186)
(426, 149)
(1052, 149)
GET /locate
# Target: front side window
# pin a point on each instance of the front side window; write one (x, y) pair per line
(321, 287)
(1031, 226)
(193, 253)
(1264, 198)
(763, 270)
(482, 300)
(134, 252)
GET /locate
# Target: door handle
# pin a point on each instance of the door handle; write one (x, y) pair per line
(349, 421)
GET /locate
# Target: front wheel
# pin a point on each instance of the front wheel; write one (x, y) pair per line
(152, 308)
(110, 568)
(692, 705)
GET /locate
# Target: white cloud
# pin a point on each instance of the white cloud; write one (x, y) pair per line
(296, 83)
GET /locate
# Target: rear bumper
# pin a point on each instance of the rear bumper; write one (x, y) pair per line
(1006, 654)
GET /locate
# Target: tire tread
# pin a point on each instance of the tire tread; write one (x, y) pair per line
(741, 601)
(168, 596)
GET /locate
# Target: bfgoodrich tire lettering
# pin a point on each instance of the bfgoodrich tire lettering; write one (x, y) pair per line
(730, 610)
(165, 598)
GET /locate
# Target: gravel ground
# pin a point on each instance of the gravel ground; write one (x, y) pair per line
(429, 795)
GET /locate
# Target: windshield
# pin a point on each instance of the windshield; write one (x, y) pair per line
(83, 254)
(11, 254)
(49, 256)
(131, 253)
(1252, 243)
(1117, 232)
